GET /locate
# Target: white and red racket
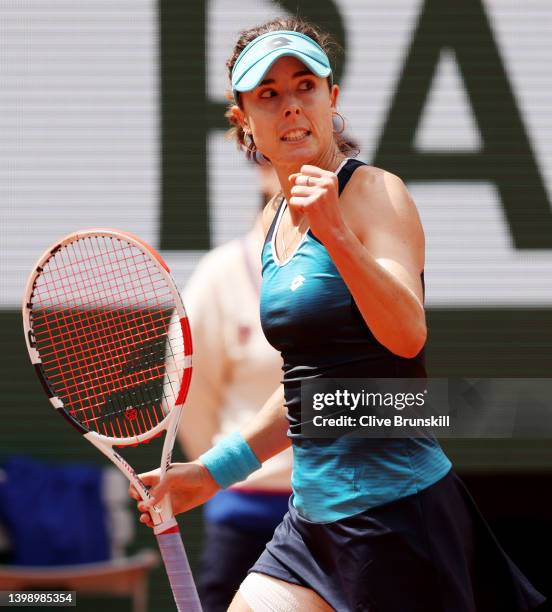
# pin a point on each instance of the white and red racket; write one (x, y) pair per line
(109, 339)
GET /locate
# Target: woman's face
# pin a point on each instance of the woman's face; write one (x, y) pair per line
(289, 113)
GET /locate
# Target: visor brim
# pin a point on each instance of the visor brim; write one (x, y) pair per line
(254, 75)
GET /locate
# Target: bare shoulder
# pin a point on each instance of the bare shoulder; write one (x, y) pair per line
(380, 197)
(381, 187)
(382, 214)
(269, 211)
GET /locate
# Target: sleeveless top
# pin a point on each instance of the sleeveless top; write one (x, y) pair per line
(309, 315)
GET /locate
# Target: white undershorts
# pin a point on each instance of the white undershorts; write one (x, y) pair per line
(264, 593)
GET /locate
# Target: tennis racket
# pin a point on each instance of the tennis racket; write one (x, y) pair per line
(109, 339)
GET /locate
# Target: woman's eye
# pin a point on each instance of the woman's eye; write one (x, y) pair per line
(305, 85)
(267, 93)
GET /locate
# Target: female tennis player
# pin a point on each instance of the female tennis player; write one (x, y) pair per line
(373, 524)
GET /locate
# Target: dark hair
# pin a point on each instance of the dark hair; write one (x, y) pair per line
(294, 24)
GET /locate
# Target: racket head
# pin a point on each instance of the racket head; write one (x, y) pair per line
(108, 335)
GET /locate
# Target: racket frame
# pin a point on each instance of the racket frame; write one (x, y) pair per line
(162, 514)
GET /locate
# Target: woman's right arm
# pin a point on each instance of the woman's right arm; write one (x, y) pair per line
(266, 434)
(191, 484)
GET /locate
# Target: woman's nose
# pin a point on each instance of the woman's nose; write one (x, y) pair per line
(292, 109)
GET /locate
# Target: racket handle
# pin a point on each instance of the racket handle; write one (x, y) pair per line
(178, 571)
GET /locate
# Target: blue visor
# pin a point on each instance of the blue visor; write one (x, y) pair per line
(259, 55)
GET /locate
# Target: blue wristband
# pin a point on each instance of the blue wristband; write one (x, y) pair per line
(230, 460)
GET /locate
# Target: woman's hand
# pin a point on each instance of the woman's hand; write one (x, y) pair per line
(315, 193)
(188, 484)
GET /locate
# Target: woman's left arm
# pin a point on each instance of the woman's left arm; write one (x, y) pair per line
(375, 238)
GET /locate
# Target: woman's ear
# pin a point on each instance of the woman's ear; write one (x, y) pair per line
(237, 117)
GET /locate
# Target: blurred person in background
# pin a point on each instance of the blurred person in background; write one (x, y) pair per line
(234, 370)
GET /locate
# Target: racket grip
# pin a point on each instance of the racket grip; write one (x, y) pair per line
(178, 571)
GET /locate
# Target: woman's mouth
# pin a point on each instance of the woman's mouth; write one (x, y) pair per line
(295, 135)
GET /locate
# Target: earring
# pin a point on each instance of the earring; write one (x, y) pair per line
(335, 114)
(249, 142)
(259, 158)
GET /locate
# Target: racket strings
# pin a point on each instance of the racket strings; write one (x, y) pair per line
(102, 321)
(91, 384)
(115, 404)
(119, 320)
(111, 350)
(104, 285)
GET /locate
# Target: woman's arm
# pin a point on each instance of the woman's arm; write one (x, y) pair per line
(374, 236)
(382, 268)
(191, 484)
(266, 434)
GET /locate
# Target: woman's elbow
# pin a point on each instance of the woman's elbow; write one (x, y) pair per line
(413, 342)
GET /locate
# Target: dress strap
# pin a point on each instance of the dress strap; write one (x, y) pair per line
(346, 172)
(274, 221)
